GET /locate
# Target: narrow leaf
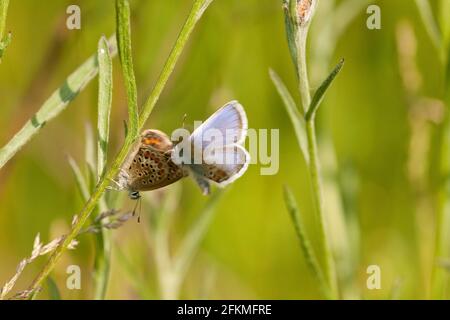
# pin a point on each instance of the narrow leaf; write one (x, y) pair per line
(105, 85)
(126, 59)
(53, 290)
(296, 118)
(318, 96)
(82, 184)
(305, 244)
(54, 105)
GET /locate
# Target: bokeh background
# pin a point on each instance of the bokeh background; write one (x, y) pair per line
(377, 140)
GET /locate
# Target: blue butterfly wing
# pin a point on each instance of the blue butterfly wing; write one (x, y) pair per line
(230, 121)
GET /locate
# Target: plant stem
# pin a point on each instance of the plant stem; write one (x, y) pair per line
(316, 182)
(313, 164)
(196, 13)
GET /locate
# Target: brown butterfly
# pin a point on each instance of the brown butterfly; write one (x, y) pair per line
(151, 164)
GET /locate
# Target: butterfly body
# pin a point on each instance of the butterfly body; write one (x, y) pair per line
(150, 165)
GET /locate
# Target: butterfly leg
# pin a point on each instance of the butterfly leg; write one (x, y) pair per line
(116, 187)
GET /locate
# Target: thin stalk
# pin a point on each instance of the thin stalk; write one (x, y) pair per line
(316, 183)
(196, 13)
(313, 165)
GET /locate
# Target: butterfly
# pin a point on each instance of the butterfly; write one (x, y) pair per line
(154, 161)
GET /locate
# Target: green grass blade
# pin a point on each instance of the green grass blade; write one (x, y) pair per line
(54, 105)
(196, 13)
(193, 239)
(305, 244)
(296, 118)
(126, 59)
(53, 290)
(82, 184)
(105, 86)
(318, 96)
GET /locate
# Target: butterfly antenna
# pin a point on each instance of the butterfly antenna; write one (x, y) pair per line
(140, 209)
(135, 207)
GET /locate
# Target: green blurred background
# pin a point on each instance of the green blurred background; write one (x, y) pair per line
(250, 250)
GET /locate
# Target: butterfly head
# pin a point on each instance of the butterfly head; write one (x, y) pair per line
(134, 195)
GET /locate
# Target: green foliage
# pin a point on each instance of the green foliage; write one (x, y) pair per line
(305, 244)
(125, 53)
(196, 13)
(54, 105)
(320, 92)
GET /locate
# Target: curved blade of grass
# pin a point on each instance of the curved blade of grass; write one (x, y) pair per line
(4, 40)
(196, 13)
(103, 239)
(54, 105)
(319, 94)
(296, 118)
(126, 60)
(305, 244)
